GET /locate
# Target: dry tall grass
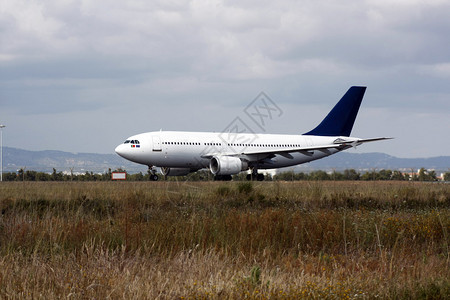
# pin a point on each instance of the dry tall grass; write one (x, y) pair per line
(224, 240)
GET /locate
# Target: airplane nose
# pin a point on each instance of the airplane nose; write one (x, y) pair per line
(120, 150)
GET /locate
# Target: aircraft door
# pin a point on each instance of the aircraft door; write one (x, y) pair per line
(156, 143)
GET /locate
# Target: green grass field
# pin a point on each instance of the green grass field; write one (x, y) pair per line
(232, 240)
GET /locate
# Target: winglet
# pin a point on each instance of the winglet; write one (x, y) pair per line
(340, 120)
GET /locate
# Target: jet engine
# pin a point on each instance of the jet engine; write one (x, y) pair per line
(175, 171)
(227, 165)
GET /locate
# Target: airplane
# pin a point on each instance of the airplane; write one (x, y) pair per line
(178, 153)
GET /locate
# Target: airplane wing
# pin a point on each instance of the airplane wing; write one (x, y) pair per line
(339, 143)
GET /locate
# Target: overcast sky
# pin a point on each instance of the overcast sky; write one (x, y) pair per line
(81, 76)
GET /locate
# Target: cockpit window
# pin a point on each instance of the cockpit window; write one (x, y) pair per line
(131, 142)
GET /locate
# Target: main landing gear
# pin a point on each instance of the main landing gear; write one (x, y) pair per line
(223, 178)
(254, 175)
(152, 173)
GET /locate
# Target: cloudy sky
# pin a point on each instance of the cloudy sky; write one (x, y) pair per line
(81, 76)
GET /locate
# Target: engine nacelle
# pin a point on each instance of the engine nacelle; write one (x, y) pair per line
(175, 171)
(227, 165)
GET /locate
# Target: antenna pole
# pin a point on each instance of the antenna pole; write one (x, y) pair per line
(1, 151)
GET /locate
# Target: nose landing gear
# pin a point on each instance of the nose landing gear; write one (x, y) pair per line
(152, 173)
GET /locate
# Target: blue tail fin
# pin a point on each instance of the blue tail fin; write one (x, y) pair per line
(340, 120)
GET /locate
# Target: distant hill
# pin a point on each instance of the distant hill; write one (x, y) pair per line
(369, 161)
(45, 161)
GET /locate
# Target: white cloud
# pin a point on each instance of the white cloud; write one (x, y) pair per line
(58, 57)
(437, 70)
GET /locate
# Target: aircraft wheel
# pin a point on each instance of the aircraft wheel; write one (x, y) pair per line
(227, 178)
(223, 178)
(260, 177)
(154, 177)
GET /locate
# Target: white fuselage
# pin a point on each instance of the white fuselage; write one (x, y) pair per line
(178, 149)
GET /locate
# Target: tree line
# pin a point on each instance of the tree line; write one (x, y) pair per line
(350, 174)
